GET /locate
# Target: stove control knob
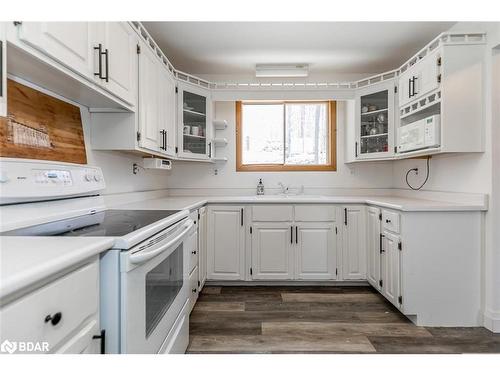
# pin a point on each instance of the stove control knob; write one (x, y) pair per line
(3, 177)
(88, 177)
(97, 178)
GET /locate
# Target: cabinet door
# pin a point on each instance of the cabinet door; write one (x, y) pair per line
(373, 244)
(272, 251)
(354, 244)
(167, 109)
(405, 87)
(3, 71)
(316, 251)
(148, 99)
(375, 108)
(202, 245)
(119, 39)
(426, 75)
(67, 42)
(391, 279)
(226, 243)
(194, 113)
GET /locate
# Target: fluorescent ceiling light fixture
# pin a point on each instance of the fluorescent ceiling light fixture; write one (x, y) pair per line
(280, 70)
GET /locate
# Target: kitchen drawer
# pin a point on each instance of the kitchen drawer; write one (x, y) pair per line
(74, 297)
(390, 221)
(192, 243)
(313, 212)
(82, 342)
(193, 288)
(272, 212)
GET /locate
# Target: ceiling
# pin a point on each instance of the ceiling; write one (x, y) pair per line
(330, 48)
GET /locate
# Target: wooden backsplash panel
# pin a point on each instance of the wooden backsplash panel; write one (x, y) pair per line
(40, 126)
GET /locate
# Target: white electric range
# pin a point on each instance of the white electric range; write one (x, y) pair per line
(144, 278)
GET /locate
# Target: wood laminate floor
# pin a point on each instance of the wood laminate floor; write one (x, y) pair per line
(287, 319)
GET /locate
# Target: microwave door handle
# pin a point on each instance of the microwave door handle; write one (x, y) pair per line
(142, 257)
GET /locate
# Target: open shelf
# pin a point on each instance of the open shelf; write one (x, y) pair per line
(374, 112)
(374, 135)
(194, 136)
(194, 112)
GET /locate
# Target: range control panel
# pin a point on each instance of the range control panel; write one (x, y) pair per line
(33, 180)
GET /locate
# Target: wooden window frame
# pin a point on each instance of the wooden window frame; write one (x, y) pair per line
(332, 143)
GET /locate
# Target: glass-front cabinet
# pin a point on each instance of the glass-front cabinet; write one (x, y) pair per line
(195, 130)
(375, 118)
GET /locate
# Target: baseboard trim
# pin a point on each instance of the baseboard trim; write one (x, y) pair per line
(285, 283)
(492, 321)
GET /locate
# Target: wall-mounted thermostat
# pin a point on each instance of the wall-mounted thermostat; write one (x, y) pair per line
(156, 163)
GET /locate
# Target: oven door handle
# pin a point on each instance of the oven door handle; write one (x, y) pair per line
(142, 257)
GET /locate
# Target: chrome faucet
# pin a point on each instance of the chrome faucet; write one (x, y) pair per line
(284, 189)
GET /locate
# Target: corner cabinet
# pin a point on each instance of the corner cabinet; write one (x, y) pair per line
(375, 121)
(194, 122)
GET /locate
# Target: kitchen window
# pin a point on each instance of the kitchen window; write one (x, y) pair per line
(286, 136)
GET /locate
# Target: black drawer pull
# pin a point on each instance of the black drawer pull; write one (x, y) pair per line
(54, 319)
(291, 233)
(193, 290)
(387, 220)
(193, 252)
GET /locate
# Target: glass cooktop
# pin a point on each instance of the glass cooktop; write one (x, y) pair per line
(108, 223)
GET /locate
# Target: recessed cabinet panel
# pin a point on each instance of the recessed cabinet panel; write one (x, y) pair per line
(67, 42)
(316, 251)
(354, 243)
(270, 212)
(226, 243)
(391, 268)
(317, 212)
(373, 246)
(272, 253)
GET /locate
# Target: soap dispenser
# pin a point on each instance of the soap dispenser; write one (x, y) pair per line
(260, 187)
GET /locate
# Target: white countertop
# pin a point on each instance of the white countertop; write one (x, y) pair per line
(396, 203)
(27, 260)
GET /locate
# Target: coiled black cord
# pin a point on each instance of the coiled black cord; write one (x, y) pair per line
(416, 170)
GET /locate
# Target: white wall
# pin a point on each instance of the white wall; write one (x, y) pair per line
(196, 175)
(116, 166)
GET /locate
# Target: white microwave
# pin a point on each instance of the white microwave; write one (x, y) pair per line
(421, 134)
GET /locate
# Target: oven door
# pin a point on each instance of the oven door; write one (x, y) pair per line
(154, 279)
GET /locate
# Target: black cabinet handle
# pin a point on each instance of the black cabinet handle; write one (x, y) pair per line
(387, 220)
(291, 233)
(356, 149)
(99, 54)
(54, 319)
(193, 290)
(106, 55)
(193, 252)
(413, 87)
(101, 337)
(296, 234)
(410, 80)
(345, 216)
(209, 149)
(241, 217)
(381, 250)
(165, 138)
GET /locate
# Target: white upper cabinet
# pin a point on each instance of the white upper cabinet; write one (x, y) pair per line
(316, 251)
(3, 71)
(420, 79)
(375, 118)
(373, 246)
(226, 243)
(272, 251)
(194, 122)
(70, 43)
(353, 243)
(149, 99)
(115, 50)
(167, 102)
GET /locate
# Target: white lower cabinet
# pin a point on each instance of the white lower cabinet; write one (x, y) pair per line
(373, 246)
(272, 251)
(62, 316)
(226, 243)
(316, 251)
(193, 287)
(353, 243)
(391, 267)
